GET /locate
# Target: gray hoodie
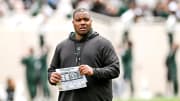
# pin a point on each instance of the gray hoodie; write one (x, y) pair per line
(98, 53)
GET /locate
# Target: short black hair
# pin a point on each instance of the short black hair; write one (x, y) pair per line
(79, 10)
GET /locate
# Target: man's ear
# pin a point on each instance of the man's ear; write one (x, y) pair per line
(73, 21)
(91, 20)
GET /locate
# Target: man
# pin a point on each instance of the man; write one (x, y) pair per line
(171, 65)
(171, 21)
(30, 62)
(93, 54)
(10, 89)
(126, 58)
(43, 70)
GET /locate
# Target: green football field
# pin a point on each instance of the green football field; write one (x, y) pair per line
(154, 99)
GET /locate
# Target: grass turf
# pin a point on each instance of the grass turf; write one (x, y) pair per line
(153, 99)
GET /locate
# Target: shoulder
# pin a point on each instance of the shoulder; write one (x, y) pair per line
(104, 41)
(62, 43)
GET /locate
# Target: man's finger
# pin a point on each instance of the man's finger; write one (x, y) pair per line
(56, 75)
(54, 80)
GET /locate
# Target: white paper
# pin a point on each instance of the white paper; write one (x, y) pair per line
(71, 79)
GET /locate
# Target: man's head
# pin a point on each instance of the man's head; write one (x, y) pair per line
(31, 51)
(82, 21)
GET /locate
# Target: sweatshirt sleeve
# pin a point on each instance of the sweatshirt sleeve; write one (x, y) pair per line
(110, 62)
(54, 63)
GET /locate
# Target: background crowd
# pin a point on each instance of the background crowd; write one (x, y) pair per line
(127, 12)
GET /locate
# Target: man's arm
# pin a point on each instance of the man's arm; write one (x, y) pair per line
(52, 76)
(110, 62)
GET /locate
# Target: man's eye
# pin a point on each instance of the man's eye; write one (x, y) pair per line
(86, 19)
(77, 19)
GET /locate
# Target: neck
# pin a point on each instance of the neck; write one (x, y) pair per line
(78, 37)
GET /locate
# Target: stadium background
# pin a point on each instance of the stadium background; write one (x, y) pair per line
(18, 33)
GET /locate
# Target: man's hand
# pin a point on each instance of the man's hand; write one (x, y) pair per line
(55, 77)
(86, 70)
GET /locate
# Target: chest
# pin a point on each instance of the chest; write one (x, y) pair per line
(80, 53)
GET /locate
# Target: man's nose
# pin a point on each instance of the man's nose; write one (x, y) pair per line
(82, 22)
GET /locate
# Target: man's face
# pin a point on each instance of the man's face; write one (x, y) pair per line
(82, 22)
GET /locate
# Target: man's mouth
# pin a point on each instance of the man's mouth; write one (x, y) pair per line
(82, 29)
